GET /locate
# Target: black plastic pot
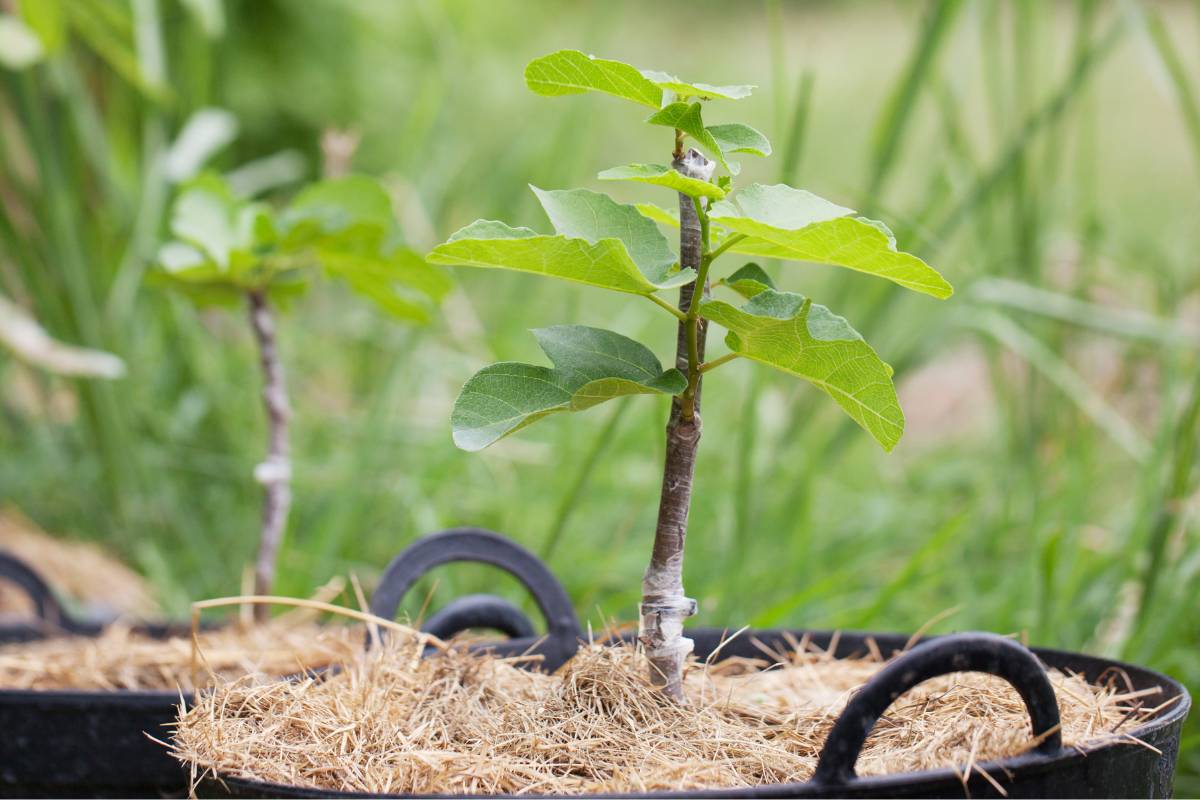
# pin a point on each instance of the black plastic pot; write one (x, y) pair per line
(77, 743)
(1117, 769)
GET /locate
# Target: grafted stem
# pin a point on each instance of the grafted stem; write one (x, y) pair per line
(274, 473)
(664, 605)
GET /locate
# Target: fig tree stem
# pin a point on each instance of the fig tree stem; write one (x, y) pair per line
(275, 473)
(664, 605)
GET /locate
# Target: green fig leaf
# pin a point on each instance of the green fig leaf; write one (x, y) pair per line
(661, 175)
(749, 281)
(782, 222)
(702, 91)
(572, 72)
(739, 138)
(687, 118)
(598, 242)
(591, 365)
(789, 332)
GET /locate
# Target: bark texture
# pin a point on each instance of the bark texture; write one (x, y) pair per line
(664, 605)
(275, 473)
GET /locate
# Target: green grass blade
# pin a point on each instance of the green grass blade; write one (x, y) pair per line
(1068, 381)
(891, 127)
(569, 503)
(793, 143)
(1185, 92)
(1046, 115)
(1128, 323)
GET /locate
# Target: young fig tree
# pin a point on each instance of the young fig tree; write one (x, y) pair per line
(228, 250)
(605, 244)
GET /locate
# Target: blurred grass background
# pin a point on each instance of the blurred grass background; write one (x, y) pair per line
(1045, 156)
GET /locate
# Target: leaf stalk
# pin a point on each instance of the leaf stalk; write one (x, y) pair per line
(675, 312)
(725, 245)
(716, 362)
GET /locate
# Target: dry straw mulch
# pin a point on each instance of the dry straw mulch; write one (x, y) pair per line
(82, 571)
(392, 722)
(121, 658)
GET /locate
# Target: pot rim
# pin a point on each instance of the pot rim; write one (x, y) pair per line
(98, 696)
(155, 629)
(871, 785)
(1179, 709)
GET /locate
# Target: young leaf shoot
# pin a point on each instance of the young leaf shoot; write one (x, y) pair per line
(228, 250)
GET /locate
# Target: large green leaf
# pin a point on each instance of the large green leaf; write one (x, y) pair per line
(661, 175)
(599, 242)
(738, 138)
(573, 72)
(787, 223)
(591, 365)
(687, 118)
(703, 91)
(485, 243)
(789, 332)
(594, 216)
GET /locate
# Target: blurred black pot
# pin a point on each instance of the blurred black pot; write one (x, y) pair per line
(79, 743)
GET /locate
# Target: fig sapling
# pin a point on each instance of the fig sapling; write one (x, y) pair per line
(602, 243)
(229, 250)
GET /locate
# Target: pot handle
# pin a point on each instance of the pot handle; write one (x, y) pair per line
(485, 547)
(479, 611)
(964, 652)
(45, 604)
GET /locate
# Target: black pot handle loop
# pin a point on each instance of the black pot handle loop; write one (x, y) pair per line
(965, 652)
(479, 611)
(45, 604)
(481, 546)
